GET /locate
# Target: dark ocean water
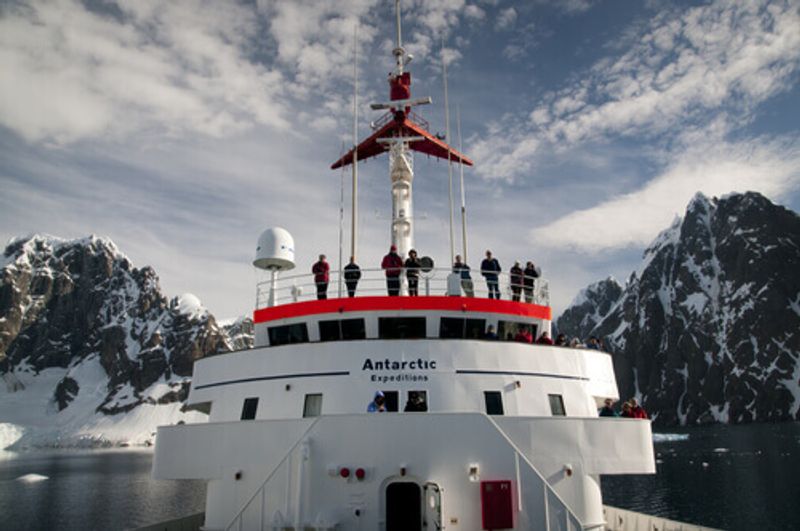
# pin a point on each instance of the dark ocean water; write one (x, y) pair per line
(729, 477)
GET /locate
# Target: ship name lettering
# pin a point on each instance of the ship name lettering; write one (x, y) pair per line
(388, 365)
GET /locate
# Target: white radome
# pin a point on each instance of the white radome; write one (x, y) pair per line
(275, 250)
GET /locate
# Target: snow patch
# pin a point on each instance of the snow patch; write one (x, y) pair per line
(670, 437)
(32, 478)
(189, 304)
(9, 434)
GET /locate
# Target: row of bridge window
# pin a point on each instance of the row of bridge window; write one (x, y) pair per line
(393, 328)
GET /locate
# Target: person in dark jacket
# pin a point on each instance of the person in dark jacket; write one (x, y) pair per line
(413, 265)
(321, 271)
(530, 274)
(516, 281)
(490, 269)
(352, 274)
(466, 279)
(561, 340)
(491, 334)
(392, 264)
(608, 409)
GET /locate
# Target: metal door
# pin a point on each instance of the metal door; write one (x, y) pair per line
(432, 520)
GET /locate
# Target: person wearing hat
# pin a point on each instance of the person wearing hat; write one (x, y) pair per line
(413, 265)
(378, 404)
(392, 264)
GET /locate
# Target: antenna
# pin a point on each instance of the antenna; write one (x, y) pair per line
(354, 220)
(447, 140)
(398, 51)
(341, 227)
(463, 195)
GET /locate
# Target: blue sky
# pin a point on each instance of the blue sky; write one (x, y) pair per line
(182, 129)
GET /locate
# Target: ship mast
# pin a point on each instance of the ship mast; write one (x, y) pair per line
(399, 132)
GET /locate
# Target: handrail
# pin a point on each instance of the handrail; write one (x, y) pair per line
(271, 474)
(301, 287)
(547, 486)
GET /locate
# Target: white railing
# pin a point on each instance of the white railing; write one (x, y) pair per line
(623, 520)
(301, 287)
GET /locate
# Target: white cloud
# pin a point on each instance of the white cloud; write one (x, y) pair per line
(69, 73)
(714, 167)
(505, 18)
(681, 70)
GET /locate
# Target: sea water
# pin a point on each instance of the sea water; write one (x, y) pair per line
(729, 477)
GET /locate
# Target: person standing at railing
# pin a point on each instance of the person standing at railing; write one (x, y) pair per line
(490, 269)
(413, 265)
(392, 264)
(530, 273)
(466, 279)
(321, 271)
(352, 274)
(516, 281)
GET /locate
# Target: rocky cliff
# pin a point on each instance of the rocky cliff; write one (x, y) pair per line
(708, 328)
(88, 340)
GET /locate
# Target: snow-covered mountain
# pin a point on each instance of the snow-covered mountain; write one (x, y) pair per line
(91, 351)
(708, 328)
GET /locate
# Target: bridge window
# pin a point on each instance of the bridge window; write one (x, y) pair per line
(459, 328)
(313, 405)
(557, 405)
(401, 327)
(249, 408)
(342, 329)
(288, 334)
(507, 330)
(494, 402)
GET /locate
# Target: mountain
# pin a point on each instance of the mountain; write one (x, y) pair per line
(91, 351)
(708, 328)
(589, 307)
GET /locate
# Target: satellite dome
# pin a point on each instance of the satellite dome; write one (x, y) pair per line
(275, 250)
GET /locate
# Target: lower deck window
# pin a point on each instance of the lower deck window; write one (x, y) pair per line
(288, 334)
(313, 405)
(557, 405)
(417, 401)
(249, 408)
(401, 327)
(392, 400)
(494, 402)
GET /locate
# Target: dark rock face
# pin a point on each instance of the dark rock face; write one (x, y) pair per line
(67, 303)
(589, 307)
(708, 329)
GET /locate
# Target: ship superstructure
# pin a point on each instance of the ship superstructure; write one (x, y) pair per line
(476, 432)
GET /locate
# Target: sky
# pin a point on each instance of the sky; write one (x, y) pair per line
(183, 129)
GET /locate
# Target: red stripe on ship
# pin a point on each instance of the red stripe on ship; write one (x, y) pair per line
(367, 304)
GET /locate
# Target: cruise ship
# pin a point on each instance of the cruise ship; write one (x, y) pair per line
(399, 412)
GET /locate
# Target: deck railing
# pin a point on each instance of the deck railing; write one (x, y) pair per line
(301, 287)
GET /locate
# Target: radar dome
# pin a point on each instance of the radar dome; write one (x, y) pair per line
(275, 250)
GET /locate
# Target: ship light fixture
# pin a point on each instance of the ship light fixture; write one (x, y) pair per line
(474, 472)
(360, 474)
(344, 472)
(568, 470)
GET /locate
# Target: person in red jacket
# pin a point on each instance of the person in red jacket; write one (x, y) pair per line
(524, 336)
(638, 411)
(544, 339)
(392, 264)
(321, 270)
